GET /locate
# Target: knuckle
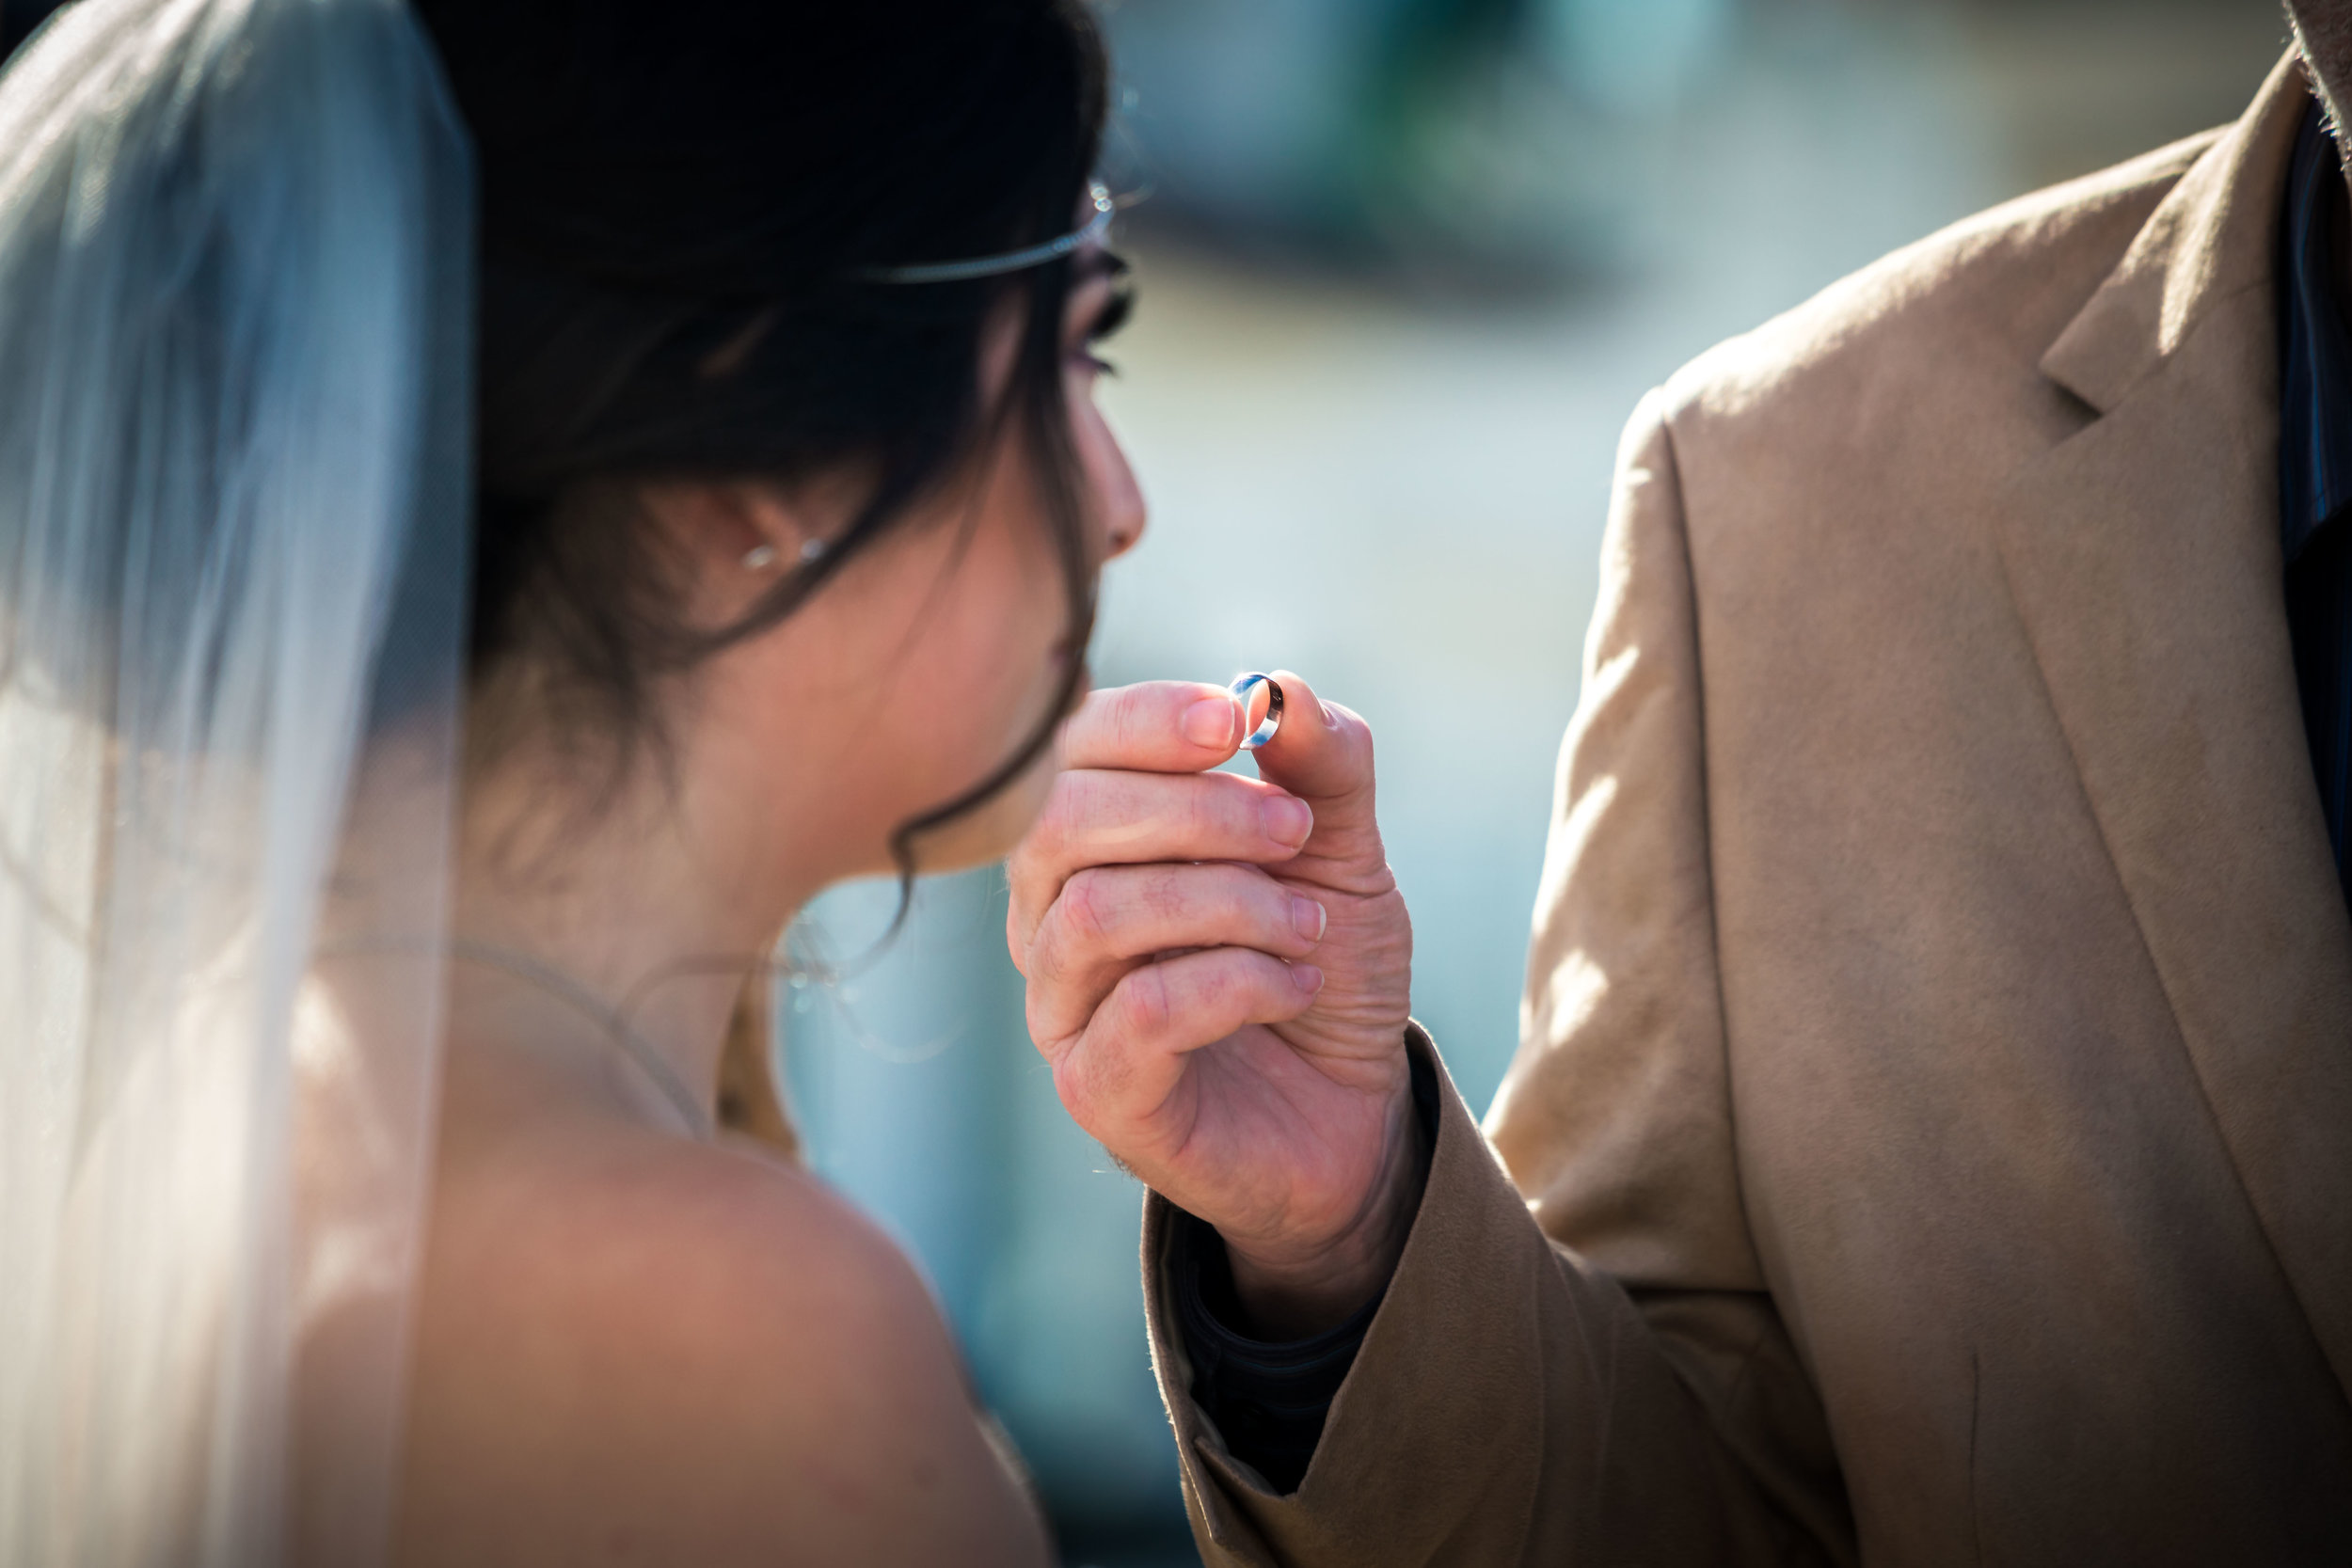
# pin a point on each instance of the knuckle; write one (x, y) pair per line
(1073, 1085)
(1145, 1005)
(1353, 730)
(1042, 1033)
(1082, 906)
(1089, 1080)
(1048, 971)
(1067, 1088)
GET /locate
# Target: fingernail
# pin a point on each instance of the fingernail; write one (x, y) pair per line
(1307, 918)
(1211, 723)
(1307, 977)
(1288, 820)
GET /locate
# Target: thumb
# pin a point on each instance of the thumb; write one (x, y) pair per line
(1322, 752)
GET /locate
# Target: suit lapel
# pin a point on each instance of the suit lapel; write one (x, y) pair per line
(2143, 556)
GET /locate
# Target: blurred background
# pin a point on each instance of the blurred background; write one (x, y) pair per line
(1406, 267)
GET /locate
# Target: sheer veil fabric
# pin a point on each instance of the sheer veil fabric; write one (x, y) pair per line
(235, 299)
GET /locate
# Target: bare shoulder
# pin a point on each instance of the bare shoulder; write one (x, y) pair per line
(634, 1349)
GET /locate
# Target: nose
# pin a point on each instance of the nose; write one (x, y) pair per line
(1127, 536)
(1124, 511)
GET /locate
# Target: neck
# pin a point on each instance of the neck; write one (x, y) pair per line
(656, 922)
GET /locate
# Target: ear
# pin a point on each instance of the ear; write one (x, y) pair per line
(726, 543)
(727, 527)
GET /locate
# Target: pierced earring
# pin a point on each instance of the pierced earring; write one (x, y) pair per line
(759, 556)
(813, 551)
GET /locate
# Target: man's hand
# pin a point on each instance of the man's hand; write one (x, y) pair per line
(1219, 971)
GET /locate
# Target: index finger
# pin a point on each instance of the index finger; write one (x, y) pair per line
(1153, 727)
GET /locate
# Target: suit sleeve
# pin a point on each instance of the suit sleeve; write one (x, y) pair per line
(1577, 1361)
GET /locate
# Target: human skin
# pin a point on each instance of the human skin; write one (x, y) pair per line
(1270, 1098)
(632, 1345)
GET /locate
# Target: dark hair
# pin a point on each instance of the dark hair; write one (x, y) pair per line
(677, 198)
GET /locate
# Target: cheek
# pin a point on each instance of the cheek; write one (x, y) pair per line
(987, 659)
(990, 832)
(981, 681)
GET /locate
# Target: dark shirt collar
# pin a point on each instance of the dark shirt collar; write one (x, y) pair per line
(2315, 402)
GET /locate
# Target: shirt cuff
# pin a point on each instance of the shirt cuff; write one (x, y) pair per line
(1268, 1398)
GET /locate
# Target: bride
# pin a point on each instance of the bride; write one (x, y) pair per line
(499, 503)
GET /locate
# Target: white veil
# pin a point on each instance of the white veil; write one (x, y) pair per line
(236, 299)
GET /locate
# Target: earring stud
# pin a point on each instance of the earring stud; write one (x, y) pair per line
(760, 557)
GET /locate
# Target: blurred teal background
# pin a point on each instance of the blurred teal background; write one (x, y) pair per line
(1406, 268)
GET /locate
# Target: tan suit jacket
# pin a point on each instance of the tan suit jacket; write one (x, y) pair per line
(1931, 1137)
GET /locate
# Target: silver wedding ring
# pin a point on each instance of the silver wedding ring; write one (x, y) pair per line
(1243, 685)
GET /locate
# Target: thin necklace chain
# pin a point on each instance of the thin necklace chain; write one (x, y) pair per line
(633, 1044)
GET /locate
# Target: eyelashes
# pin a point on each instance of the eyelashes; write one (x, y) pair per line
(1115, 314)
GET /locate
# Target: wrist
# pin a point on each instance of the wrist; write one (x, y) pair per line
(1296, 1288)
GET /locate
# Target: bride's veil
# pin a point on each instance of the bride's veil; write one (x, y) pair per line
(236, 300)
